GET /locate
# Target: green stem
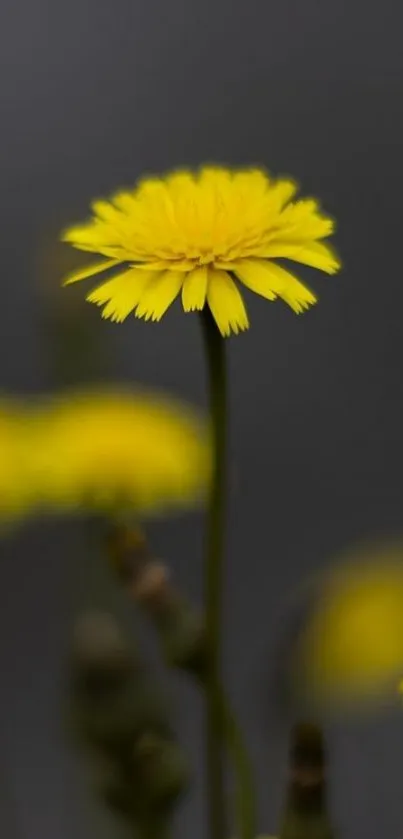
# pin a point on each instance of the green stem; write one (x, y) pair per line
(215, 781)
(245, 797)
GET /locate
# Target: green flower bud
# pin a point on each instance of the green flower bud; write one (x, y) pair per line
(113, 701)
(181, 632)
(114, 721)
(163, 769)
(100, 657)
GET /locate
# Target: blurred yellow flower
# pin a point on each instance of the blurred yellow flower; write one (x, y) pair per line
(16, 488)
(352, 646)
(192, 234)
(113, 448)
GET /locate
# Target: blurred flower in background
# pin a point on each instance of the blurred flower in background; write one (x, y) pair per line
(16, 486)
(192, 234)
(107, 450)
(350, 648)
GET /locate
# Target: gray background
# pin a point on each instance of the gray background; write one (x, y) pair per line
(93, 94)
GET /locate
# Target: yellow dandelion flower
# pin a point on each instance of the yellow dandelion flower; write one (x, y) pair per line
(353, 644)
(195, 234)
(109, 448)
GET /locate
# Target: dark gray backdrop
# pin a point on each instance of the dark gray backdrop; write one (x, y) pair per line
(92, 94)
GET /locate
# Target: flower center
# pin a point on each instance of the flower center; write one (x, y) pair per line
(205, 259)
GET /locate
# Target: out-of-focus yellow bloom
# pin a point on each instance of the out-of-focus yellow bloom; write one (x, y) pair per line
(352, 646)
(192, 234)
(16, 489)
(117, 449)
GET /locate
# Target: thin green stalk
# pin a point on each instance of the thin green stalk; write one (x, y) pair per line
(245, 796)
(221, 724)
(215, 780)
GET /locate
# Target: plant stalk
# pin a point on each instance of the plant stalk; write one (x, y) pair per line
(213, 579)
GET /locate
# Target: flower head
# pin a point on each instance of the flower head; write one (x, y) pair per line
(195, 234)
(109, 448)
(352, 646)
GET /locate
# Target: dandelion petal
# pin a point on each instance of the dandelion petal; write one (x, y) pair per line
(159, 295)
(271, 281)
(226, 304)
(121, 294)
(90, 271)
(251, 274)
(314, 254)
(195, 289)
